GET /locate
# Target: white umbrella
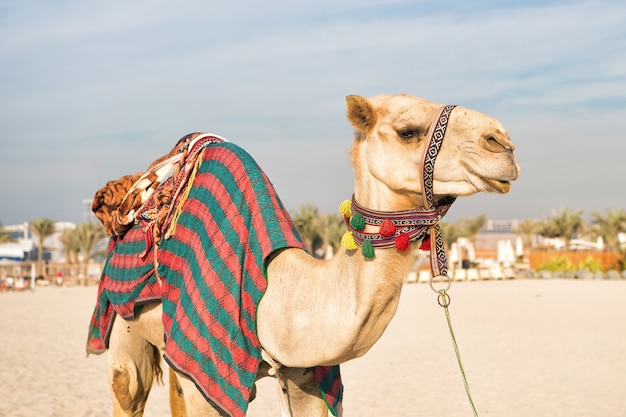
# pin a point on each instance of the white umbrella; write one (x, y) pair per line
(501, 249)
(471, 252)
(506, 255)
(509, 252)
(453, 257)
(519, 247)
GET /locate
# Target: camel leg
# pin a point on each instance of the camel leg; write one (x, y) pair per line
(177, 398)
(184, 395)
(133, 364)
(194, 402)
(301, 393)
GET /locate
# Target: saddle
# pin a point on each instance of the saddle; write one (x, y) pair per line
(150, 194)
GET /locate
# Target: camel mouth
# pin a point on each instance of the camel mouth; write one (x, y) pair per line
(498, 186)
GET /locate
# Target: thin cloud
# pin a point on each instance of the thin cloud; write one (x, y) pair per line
(89, 92)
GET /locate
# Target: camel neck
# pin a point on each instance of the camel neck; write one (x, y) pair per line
(378, 197)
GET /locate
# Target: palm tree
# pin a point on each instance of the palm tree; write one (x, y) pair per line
(71, 247)
(450, 232)
(318, 230)
(566, 224)
(609, 227)
(5, 235)
(548, 229)
(466, 227)
(86, 236)
(330, 228)
(304, 219)
(471, 226)
(527, 228)
(43, 228)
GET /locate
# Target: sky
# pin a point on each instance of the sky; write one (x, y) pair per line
(91, 91)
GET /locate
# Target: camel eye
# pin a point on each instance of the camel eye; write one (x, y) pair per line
(407, 133)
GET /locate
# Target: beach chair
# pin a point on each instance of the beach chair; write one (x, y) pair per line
(472, 274)
(423, 277)
(459, 274)
(484, 273)
(496, 272)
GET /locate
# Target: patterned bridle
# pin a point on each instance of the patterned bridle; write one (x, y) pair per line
(399, 228)
(438, 261)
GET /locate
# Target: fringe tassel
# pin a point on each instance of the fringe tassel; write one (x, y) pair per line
(357, 221)
(403, 242)
(183, 197)
(345, 208)
(368, 250)
(387, 228)
(347, 241)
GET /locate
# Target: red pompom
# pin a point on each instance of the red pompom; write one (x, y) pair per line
(425, 245)
(387, 228)
(402, 242)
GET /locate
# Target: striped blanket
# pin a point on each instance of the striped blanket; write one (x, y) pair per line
(212, 273)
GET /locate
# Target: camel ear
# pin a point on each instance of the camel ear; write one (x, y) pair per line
(360, 113)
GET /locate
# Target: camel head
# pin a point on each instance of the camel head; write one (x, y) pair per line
(391, 133)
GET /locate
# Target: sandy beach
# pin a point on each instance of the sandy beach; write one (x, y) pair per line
(541, 348)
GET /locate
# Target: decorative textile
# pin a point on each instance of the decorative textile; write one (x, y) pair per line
(106, 202)
(116, 203)
(212, 268)
(411, 223)
(127, 282)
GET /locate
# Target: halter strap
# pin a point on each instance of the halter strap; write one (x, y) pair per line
(435, 139)
(438, 260)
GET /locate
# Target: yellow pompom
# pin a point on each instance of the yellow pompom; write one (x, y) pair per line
(347, 241)
(345, 208)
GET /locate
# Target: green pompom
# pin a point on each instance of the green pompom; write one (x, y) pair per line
(357, 221)
(367, 250)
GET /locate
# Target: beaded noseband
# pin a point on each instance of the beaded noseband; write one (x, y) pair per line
(399, 228)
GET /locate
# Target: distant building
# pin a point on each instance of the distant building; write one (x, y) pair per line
(494, 231)
(25, 246)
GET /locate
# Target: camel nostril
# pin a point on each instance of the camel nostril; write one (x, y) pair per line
(493, 145)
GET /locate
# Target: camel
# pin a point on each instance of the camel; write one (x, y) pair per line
(325, 312)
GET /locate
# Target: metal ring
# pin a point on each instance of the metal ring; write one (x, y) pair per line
(443, 299)
(448, 280)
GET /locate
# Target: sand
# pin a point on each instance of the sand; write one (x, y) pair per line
(530, 348)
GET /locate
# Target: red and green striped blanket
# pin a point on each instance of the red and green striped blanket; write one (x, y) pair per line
(212, 271)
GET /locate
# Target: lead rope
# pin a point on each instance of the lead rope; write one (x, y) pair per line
(438, 266)
(444, 301)
(438, 261)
